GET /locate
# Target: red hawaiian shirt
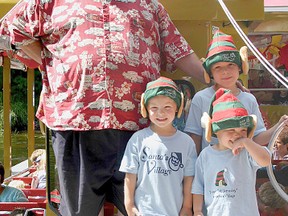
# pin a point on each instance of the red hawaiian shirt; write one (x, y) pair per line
(98, 56)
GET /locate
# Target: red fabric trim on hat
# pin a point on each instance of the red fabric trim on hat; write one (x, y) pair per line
(229, 113)
(222, 38)
(220, 49)
(162, 84)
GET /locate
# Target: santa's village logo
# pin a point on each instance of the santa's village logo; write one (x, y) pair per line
(245, 122)
(162, 163)
(170, 93)
(228, 57)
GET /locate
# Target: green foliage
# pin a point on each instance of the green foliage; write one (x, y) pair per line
(18, 116)
(18, 113)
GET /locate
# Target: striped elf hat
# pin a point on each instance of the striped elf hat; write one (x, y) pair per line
(162, 86)
(223, 49)
(225, 112)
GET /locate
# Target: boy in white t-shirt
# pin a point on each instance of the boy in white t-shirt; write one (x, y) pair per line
(159, 160)
(226, 171)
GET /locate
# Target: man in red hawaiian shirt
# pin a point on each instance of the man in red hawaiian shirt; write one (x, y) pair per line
(96, 57)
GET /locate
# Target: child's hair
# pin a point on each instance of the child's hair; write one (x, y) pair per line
(36, 155)
(42, 163)
(283, 137)
(39, 157)
(269, 196)
(17, 184)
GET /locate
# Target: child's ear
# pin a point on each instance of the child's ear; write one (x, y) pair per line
(206, 77)
(143, 108)
(251, 132)
(180, 110)
(206, 123)
(244, 58)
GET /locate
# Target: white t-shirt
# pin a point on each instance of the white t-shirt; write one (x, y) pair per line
(227, 182)
(160, 164)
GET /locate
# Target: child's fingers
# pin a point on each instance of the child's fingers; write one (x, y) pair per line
(237, 150)
(136, 212)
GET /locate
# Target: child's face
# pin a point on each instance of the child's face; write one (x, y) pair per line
(161, 110)
(281, 148)
(227, 137)
(225, 74)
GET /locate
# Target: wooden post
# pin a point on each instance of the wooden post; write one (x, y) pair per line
(7, 115)
(30, 111)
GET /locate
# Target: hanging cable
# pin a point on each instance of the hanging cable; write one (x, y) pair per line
(253, 49)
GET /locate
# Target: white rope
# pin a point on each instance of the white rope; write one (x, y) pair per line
(253, 49)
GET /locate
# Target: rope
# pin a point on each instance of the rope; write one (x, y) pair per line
(253, 49)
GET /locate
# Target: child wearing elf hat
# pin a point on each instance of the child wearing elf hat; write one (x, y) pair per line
(159, 161)
(226, 172)
(223, 64)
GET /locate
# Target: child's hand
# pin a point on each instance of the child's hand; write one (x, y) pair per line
(283, 118)
(237, 146)
(198, 214)
(185, 212)
(133, 211)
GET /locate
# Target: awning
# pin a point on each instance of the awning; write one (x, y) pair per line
(276, 5)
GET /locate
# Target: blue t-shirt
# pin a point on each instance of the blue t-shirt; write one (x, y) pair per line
(11, 194)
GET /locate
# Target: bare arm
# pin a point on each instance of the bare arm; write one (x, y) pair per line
(264, 137)
(33, 50)
(192, 66)
(198, 142)
(129, 191)
(197, 204)
(257, 152)
(187, 199)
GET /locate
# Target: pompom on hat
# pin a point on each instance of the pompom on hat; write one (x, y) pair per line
(223, 49)
(225, 112)
(162, 86)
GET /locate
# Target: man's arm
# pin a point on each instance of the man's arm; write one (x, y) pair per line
(192, 66)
